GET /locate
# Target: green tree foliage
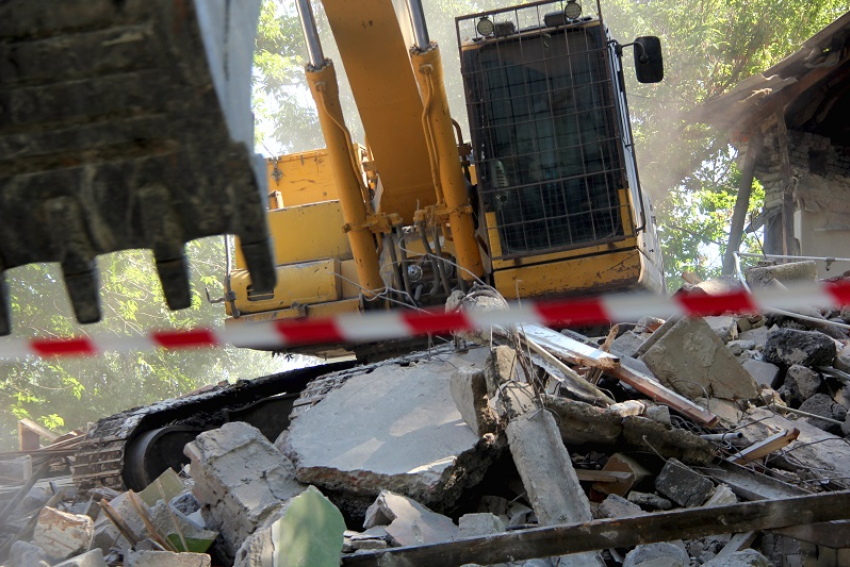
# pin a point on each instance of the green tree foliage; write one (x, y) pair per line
(64, 393)
(709, 47)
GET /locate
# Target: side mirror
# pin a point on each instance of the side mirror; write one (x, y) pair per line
(649, 65)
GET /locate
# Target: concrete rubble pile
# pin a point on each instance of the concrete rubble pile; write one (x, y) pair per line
(471, 447)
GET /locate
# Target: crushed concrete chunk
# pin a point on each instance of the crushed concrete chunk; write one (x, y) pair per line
(166, 559)
(393, 427)
(618, 462)
(737, 347)
(197, 539)
(763, 373)
(722, 496)
(62, 535)
(241, 479)
(480, 524)
(93, 558)
(745, 558)
(409, 522)
(683, 485)
(691, 359)
(615, 506)
(469, 392)
(788, 347)
(726, 327)
(23, 554)
(801, 383)
(662, 554)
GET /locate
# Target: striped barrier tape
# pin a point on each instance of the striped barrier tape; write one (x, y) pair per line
(386, 325)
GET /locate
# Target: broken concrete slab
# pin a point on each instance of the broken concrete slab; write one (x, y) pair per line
(93, 558)
(392, 426)
(506, 384)
(764, 373)
(241, 479)
(581, 423)
(814, 450)
(683, 485)
(166, 559)
(795, 273)
(788, 347)
(107, 536)
(629, 343)
(667, 440)
(469, 391)
(62, 535)
(408, 522)
(537, 450)
(691, 359)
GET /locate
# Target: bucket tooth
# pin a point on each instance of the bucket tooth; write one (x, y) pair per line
(101, 100)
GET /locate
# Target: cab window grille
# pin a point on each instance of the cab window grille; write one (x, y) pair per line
(546, 139)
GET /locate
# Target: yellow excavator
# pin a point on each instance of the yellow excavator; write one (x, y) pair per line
(543, 201)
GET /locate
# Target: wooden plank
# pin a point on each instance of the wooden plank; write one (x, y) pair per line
(26, 429)
(571, 350)
(652, 389)
(613, 533)
(765, 447)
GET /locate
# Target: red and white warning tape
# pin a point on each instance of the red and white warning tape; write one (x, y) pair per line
(385, 325)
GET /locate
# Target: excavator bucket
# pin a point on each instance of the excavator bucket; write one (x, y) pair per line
(127, 124)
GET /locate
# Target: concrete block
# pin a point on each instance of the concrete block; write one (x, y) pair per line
(107, 536)
(62, 535)
(93, 558)
(166, 559)
(788, 347)
(726, 327)
(801, 383)
(504, 381)
(23, 554)
(408, 522)
(493, 504)
(662, 554)
(393, 427)
(763, 373)
(683, 485)
(691, 359)
(17, 469)
(241, 478)
(480, 524)
(628, 343)
(618, 462)
(469, 391)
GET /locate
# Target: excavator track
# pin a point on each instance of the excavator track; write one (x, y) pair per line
(126, 450)
(127, 124)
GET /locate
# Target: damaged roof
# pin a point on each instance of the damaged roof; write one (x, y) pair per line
(810, 87)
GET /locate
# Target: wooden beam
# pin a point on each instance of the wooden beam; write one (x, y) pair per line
(605, 534)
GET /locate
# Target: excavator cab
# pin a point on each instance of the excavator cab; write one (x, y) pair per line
(544, 201)
(558, 191)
